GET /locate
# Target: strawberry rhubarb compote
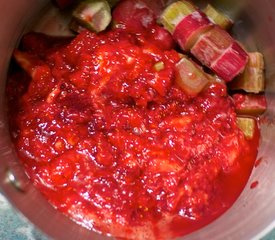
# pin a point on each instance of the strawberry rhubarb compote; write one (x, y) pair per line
(110, 139)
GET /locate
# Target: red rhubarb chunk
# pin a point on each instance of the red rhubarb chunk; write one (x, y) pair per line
(211, 45)
(231, 63)
(190, 28)
(250, 104)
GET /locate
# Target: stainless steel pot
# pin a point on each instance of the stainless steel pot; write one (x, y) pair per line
(251, 217)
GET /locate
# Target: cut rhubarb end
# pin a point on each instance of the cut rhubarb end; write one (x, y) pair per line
(252, 80)
(250, 104)
(190, 77)
(248, 126)
(211, 45)
(187, 32)
(94, 15)
(217, 17)
(174, 13)
(231, 63)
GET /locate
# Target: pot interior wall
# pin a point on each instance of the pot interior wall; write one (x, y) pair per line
(254, 212)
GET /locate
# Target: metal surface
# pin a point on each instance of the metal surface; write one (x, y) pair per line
(254, 212)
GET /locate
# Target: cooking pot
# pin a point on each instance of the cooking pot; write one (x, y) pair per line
(253, 214)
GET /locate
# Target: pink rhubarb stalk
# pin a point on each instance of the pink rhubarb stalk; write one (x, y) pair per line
(217, 50)
(190, 28)
(250, 104)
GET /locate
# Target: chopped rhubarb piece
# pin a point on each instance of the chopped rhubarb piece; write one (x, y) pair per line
(252, 80)
(185, 22)
(217, 17)
(174, 14)
(231, 63)
(248, 126)
(187, 32)
(94, 15)
(217, 50)
(190, 77)
(159, 66)
(211, 45)
(250, 104)
(133, 15)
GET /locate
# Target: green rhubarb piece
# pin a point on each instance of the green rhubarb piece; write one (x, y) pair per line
(252, 80)
(159, 66)
(217, 17)
(174, 13)
(190, 77)
(94, 15)
(250, 104)
(248, 126)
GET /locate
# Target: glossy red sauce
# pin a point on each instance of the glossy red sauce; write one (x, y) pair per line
(117, 146)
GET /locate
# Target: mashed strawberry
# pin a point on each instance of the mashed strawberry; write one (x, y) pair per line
(115, 144)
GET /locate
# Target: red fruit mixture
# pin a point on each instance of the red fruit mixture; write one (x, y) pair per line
(116, 145)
